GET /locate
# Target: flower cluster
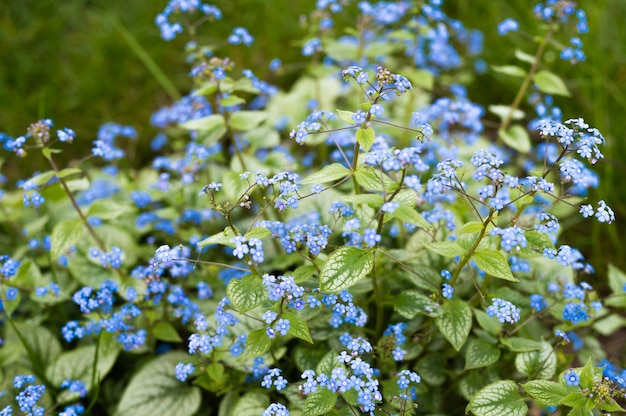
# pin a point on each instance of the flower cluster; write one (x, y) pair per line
(398, 209)
(104, 146)
(252, 247)
(343, 309)
(504, 310)
(170, 30)
(353, 374)
(395, 332)
(300, 232)
(284, 288)
(108, 259)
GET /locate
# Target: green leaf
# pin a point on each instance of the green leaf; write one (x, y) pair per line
(234, 187)
(215, 371)
(245, 85)
(42, 342)
(258, 232)
(247, 120)
(210, 137)
(247, 293)
(494, 263)
(524, 57)
(374, 180)
(64, 173)
(471, 227)
(298, 327)
(263, 137)
(223, 238)
(497, 399)
(327, 363)
(546, 392)
(410, 215)
(432, 369)
(78, 364)
(64, 235)
(345, 267)
(609, 325)
(516, 137)
(206, 88)
(486, 322)
(10, 306)
(166, 332)
(231, 101)
(303, 273)
(445, 248)
(330, 173)
(89, 273)
(610, 406)
(306, 357)
(587, 376)
(536, 242)
(617, 282)
(154, 390)
(251, 403)
(540, 364)
(455, 322)
(257, 344)
(346, 116)
(511, 70)
(47, 153)
(373, 200)
(43, 178)
(207, 123)
(519, 344)
(365, 137)
(579, 411)
(502, 111)
(471, 384)
(550, 83)
(319, 403)
(410, 302)
(575, 399)
(480, 353)
(108, 209)
(420, 78)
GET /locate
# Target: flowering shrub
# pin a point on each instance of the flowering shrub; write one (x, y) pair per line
(370, 241)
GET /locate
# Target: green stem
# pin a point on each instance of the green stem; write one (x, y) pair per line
(355, 160)
(80, 213)
(70, 195)
(466, 258)
(529, 77)
(94, 375)
(378, 299)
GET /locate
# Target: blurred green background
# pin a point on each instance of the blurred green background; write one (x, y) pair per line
(69, 61)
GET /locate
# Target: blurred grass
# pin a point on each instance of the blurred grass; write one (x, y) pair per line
(68, 61)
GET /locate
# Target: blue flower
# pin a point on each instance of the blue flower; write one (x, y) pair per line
(311, 46)
(240, 35)
(447, 291)
(560, 334)
(571, 378)
(507, 25)
(537, 302)
(575, 312)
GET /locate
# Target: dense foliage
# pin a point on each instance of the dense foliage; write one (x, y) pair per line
(369, 241)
